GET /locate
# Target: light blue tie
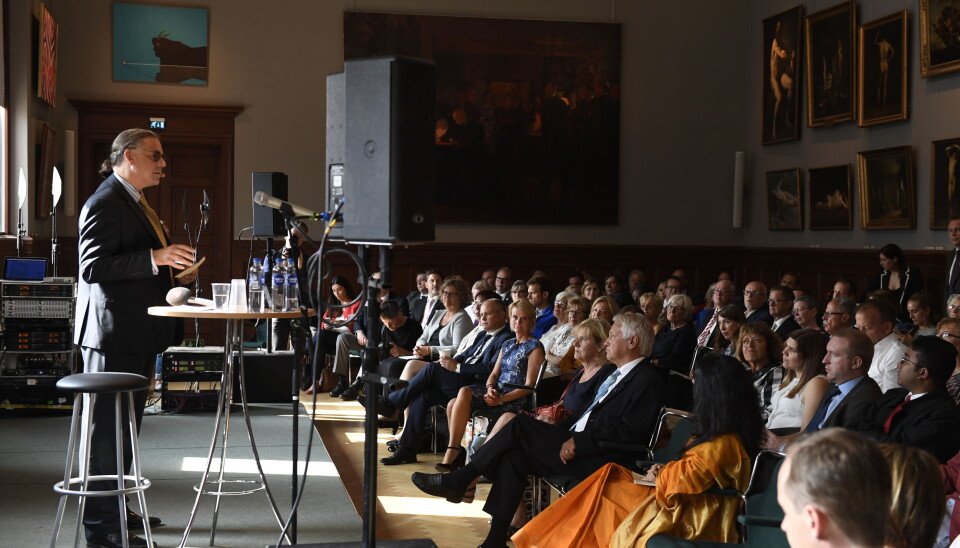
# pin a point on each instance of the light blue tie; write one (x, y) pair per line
(601, 392)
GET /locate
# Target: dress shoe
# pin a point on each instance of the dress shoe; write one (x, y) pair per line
(352, 392)
(115, 540)
(401, 456)
(339, 388)
(432, 484)
(134, 521)
(458, 461)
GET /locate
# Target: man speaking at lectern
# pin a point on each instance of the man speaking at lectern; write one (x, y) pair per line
(126, 265)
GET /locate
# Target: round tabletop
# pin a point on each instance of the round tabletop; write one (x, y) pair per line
(189, 311)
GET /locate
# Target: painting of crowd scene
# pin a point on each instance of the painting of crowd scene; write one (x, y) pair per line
(527, 127)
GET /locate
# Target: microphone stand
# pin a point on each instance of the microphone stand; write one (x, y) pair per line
(21, 232)
(194, 241)
(54, 246)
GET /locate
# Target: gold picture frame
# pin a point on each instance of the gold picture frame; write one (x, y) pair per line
(883, 70)
(831, 198)
(944, 172)
(939, 46)
(829, 42)
(784, 200)
(887, 191)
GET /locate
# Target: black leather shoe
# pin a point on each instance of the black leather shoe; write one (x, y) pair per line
(401, 456)
(134, 521)
(352, 391)
(432, 484)
(115, 540)
(339, 388)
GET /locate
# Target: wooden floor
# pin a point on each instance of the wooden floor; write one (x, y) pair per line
(403, 512)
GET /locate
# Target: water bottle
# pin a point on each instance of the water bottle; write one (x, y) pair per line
(279, 280)
(255, 287)
(291, 289)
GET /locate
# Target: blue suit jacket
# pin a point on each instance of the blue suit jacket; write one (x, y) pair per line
(480, 370)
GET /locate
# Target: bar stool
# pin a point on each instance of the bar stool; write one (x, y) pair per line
(88, 386)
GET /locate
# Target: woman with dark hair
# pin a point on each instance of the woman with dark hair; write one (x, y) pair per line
(922, 314)
(341, 293)
(729, 320)
(898, 278)
(727, 432)
(759, 349)
(804, 382)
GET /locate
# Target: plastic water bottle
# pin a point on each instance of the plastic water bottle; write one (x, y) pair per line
(255, 287)
(291, 289)
(279, 280)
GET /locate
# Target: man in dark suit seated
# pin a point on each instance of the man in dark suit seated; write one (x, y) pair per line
(624, 410)
(920, 413)
(755, 301)
(846, 363)
(126, 265)
(422, 309)
(440, 381)
(781, 309)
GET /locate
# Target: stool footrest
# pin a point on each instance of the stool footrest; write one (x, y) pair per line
(144, 484)
(257, 485)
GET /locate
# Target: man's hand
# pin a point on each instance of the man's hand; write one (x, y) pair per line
(361, 338)
(568, 451)
(449, 364)
(178, 256)
(772, 441)
(422, 351)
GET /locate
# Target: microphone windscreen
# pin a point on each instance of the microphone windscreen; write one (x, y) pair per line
(178, 296)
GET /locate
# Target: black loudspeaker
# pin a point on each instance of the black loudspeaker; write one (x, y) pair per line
(335, 129)
(267, 222)
(389, 175)
(269, 376)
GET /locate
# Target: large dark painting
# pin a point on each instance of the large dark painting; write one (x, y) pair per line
(528, 113)
(781, 75)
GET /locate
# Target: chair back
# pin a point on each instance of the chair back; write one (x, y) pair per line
(763, 514)
(672, 433)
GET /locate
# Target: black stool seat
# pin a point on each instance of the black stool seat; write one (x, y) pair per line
(103, 383)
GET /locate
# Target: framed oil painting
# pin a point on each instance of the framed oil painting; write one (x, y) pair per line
(528, 111)
(939, 37)
(882, 81)
(830, 198)
(47, 59)
(887, 192)
(830, 63)
(781, 53)
(944, 179)
(160, 44)
(784, 200)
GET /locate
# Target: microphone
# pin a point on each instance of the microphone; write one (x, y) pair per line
(264, 199)
(178, 296)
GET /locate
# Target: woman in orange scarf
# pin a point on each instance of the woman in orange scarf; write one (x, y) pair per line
(610, 508)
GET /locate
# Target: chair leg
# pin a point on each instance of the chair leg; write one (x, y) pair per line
(68, 467)
(137, 475)
(118, 437)
(89, 400)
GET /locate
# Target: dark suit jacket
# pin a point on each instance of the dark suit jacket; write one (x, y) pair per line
(117, 282)
(479, 371)
(931, 423)
(361, 322)
(760, 315)
(848, 410)
(788, 326)
(950, 289)
(626, 415)
(417, 310)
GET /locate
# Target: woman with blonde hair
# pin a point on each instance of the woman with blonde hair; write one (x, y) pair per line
(604, 308)
(917, 503)
(651, 305)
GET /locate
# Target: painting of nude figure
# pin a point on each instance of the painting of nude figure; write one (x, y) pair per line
(781, 76)
(887, 192)
(784, 200)
(830, 198)
(944, 179)
(882, 71)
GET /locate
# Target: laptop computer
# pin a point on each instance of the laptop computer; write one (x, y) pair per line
(26, 269)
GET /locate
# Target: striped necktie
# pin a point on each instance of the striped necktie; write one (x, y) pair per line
(601, 392)
(157, 228)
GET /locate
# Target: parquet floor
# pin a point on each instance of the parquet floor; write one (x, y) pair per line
(403, 512)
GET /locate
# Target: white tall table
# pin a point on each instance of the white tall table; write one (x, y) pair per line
(234, 341)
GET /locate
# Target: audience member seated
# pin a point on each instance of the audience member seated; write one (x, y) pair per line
(476, 288)
(489, 277)
(953, 306)
(875, 318)
(700, 313)
(576, 278)
(897, 277)
(539, 295)
(729, 320)
(558, 342)
(610, 509)
(804, 382)
(791, 280)
(652, 306)
(921, 314)
(916, 506)
(636, 281)
(844, 288)
(846, 363)
(604, 308)
(755, 302)
(919, 413)
(624, 410)
(781, 309)
(448, 324)
(420, 292)
(421, 310)
(839, 313)
(559, 328)
(759, 350)
(673, 286)
(517, 291)
(949, 330)
(442, 380)
(673, 351)
(519, 363)
(614, 286)
(722, 296)
(834, 489)
(503, 282)
(398, 336)
(806, 312)
(342, 294)
(591, 289)
(951, 477)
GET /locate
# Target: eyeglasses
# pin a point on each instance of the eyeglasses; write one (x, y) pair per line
(752, 292)
(675, 307)
(575, 311)
(519, 292)
(905, 361)
(559, 304)
(754, 340)
(155, 155)
(945, 335)
(451, 294)
(501, 278)
(954, 306)
(799, 309)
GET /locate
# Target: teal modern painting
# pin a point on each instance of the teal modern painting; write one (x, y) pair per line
(160, 44)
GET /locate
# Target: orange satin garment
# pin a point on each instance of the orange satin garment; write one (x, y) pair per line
(608, 509)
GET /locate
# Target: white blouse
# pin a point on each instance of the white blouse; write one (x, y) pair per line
(787, 412)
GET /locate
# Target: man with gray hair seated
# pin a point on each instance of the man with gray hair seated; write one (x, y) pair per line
(838, 314)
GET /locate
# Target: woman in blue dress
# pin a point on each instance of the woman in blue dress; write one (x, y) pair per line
(518, 363)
